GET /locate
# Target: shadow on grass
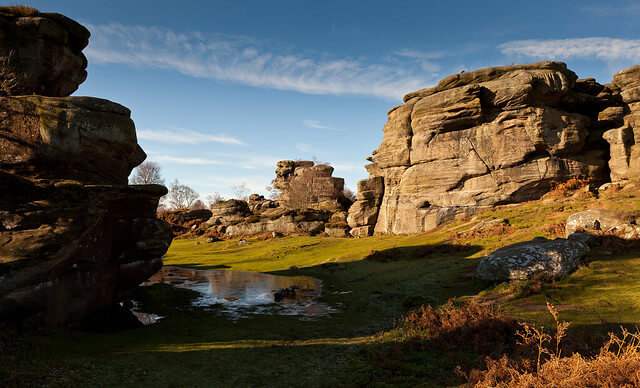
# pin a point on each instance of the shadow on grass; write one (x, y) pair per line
(201, 266)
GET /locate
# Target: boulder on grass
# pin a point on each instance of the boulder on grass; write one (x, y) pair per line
(540, 257)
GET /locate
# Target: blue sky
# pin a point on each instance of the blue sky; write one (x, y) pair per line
(221, 90)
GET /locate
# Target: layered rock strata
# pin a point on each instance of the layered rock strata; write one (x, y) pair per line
(307, 185)
(41, 54)
(494, 136)
(74, 237)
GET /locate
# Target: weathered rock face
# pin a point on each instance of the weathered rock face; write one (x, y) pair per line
(487, 137)
(68, 248)
(547, 259)
(73, 236)
(304, 184)
(41, 54)
(84, 138)
(624, 138)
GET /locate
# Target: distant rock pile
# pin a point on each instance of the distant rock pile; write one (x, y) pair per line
(496, 136)
(74, 237)
(311, 201)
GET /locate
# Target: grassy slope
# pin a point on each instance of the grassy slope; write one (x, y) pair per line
(195, 347)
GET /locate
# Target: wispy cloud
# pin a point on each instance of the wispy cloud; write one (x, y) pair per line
(606, 49)
(304, 147)
(420, 54)
(608, 10)
(239, 59)
(184, 136)
(181, 160)
(317, 125)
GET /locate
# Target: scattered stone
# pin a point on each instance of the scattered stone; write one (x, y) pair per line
(243, 242)
(540, 257)
(490, 223)
(288, 293)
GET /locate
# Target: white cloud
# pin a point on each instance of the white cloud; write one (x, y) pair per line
(417, 54)
(180, 160)
(304, 147)
(184, 136)
(316, 124)
(246, 61)
(606, 10)
(606, 49)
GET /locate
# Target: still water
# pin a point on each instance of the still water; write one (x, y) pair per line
(238, 294)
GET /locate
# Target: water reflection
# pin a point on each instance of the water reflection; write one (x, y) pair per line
(240, 294)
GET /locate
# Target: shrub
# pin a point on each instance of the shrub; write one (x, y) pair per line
(565, 188)
(466, 326)
(616, 364)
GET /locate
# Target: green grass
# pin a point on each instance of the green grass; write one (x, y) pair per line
(372, 281)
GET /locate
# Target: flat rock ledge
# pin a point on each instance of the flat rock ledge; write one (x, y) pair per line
(540, 257)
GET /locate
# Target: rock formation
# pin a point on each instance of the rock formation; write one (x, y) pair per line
(41, 54)
(311, 202)
(540, 257)
(307, 185)
(495, 136)
(74, 237)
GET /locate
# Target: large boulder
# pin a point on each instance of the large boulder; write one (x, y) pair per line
(482, 138)
(540, 257)
(602, 220)
(41, 54)
(83, 138)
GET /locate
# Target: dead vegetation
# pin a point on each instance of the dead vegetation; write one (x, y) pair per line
(570, 186)
(617, 363)
(469, 325)
(556, 229)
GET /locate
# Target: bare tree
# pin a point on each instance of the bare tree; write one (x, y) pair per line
(147, 173)
(214, 198)
(181, 196)
(274, 193)
(240, 191)
(197, 205)
(349, 194)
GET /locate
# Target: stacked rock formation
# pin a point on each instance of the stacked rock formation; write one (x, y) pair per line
(74, 237)
(310, 199)
(307, 185)
(311, 202)
(495, 136)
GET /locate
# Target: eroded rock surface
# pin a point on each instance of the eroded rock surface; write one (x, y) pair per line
(540, 257)
(41, 54)
(74, 237)
(493, 136)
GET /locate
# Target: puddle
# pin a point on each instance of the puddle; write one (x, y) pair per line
(242, 294)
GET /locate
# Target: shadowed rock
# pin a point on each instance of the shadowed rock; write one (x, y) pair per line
(41, 54)
(74, 237)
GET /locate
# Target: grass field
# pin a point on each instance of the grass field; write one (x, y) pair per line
(372, 281)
